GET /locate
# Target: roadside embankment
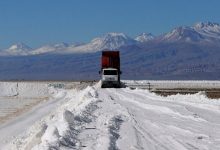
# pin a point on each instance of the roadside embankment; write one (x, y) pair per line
(172, 87)
(16, 98)
(24, 89)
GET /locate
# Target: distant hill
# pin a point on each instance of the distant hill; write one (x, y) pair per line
(187, 52)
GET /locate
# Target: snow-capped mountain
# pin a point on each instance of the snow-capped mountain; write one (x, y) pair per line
(112, 41)
(145, 37)
(208, 30)
(17, 49)
(207, 26)
(186, 34)
(200, 32)
(109, 41)
(51, 48)
(184, 53)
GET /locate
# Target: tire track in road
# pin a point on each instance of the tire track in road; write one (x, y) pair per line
(145, 139)
(148, 133)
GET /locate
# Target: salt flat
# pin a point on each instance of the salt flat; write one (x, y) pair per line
(95, 118)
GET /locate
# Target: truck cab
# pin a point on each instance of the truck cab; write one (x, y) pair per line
(110, 77)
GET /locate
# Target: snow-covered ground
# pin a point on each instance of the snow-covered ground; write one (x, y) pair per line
(18, 97)
(95, 118)
(173, 84)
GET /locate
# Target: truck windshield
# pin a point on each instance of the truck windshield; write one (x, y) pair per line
(110, 72)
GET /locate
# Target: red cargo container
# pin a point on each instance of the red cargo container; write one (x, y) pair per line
(110, 59)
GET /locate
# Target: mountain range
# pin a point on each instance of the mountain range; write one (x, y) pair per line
(186, 52)
(109, 41)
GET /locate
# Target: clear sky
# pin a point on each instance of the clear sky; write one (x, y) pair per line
(39, 22)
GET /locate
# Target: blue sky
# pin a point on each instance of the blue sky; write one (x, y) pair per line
(39, 22)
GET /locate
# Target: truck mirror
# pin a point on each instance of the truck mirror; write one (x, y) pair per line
(99, 72)
(120, 72)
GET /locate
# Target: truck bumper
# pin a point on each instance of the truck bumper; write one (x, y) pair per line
(110, 84)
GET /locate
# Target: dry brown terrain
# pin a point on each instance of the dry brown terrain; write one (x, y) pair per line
(210, 93)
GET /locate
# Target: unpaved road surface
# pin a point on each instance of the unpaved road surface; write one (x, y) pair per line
(111, 119)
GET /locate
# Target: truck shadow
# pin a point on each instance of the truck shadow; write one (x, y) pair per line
(122, 85)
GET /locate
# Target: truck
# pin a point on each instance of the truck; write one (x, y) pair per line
(110, 69)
